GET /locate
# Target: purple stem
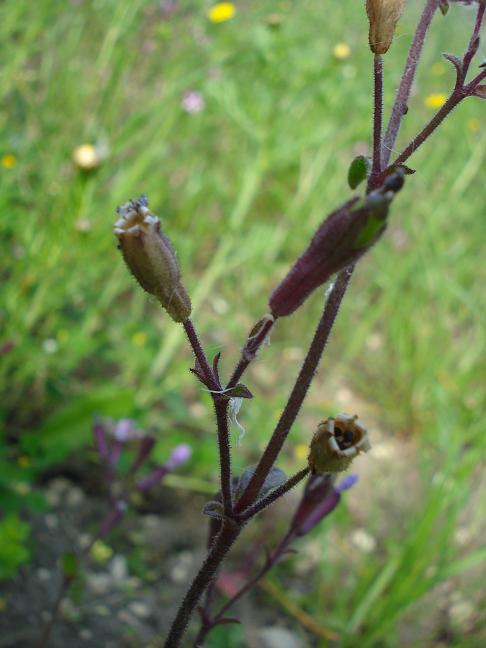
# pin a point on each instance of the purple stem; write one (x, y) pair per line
(220, 547)
(377, 117)
(249, 352)
(265, 568)
(299, 391)
(221, 408)
(474, 40)
(458, 94)
(403, 93)
(201, 359)
(273, 496)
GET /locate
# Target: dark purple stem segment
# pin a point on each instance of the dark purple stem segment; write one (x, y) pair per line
(273, 496)
(474, 40)
(221, 409)
(220, 547)
(299, 391)
(460, 91)
(400, 105)
(250, 350)
(201, 359)
(264, 569)
(458, 94)
(377, 116)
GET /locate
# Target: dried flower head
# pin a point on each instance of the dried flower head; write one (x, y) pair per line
(336, 442)
(383, 16)
(151, 258)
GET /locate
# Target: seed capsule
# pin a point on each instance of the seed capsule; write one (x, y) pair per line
(151, 258)
(336, 442)
(383, 16)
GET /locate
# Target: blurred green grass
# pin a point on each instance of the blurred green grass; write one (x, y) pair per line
(240, 187)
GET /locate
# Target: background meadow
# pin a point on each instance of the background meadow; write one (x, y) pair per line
(241, 134)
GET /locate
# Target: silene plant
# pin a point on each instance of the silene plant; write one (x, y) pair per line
(347, 233)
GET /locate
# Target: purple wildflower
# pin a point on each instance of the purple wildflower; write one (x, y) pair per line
(192, 102)
(320, 498)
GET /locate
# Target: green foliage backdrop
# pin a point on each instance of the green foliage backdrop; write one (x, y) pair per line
(240, 187)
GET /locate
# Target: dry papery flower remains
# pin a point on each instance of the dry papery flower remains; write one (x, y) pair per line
(340, 241)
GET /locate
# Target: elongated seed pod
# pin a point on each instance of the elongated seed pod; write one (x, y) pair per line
(151, 258)
(340, 241)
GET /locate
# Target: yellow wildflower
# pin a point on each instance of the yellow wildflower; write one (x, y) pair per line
(139, 338)
(341, 51)
(221, 12)
(435, 100)
(9, 161)
(23, 461)
(301, 451)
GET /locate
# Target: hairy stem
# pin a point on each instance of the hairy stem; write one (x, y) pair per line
(377, 115)
(264, 569)
(474, 40)
(201, 359)
(250, 349)
(400, 105)
(299, 391)
(455, 98)
(459, 92)
(273, 496)
(221, 545)
(221, 409)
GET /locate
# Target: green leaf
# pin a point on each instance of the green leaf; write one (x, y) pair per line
(14, 550)
(358, 170)
(444, 6)
(238, 391)
(69, 565)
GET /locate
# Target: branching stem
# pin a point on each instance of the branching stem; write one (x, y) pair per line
(400, 105)
(299, 391)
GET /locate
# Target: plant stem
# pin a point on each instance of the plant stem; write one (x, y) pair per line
(377, 116)
(249, 351)
(200, 355)
(65, 585)
(474, 40)
(273, 496)
(459, 92)
(455, 98)
(403, 92)
(299, 391)
(221, 545)
(221, 409)
(267, 565)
